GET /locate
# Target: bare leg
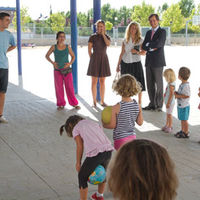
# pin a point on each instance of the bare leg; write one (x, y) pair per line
(2, 101)
(184, 126)
(101, 187)
(167, 121)
(94, 89)
(102, 88)
(169, 116)
(83, 193)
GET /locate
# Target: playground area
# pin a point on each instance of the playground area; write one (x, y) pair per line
(38, 164)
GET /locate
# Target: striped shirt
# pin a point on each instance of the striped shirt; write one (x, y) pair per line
(126, 120)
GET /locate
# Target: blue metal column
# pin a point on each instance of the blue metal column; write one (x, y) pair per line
(97, 16)
(19, 44)
(73, 18)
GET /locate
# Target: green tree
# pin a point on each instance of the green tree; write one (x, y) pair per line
(162, 8)
(124, 15)
(105, 11)
(173, 18)
(186, 7)
(82, 19)
(24, 17)
(194, 27)
(57, 21)
(141, 13)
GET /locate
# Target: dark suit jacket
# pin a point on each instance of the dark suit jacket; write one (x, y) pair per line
(155, 58)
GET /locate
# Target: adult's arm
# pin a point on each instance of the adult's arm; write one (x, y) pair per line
(160, 41)
(10, 48)
(145, 47)
(90, 45)
(106, 39)
(120, 57)
(49, 52)
(71, 53)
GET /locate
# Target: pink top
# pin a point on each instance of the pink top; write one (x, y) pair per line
(94, 139)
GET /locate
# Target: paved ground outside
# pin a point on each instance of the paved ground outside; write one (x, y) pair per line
(38, 164)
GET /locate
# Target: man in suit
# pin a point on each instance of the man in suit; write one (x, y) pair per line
(155, 61)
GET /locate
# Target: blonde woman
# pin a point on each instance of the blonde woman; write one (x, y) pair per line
(143, 170)
(130, 57)
(125, 113)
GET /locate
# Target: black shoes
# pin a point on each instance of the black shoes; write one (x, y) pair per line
(153, 108)
(149, 108)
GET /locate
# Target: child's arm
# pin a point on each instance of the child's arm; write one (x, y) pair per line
(113, 121)
(171, 93)
(180, 96)
(79, 152)
(139, 119)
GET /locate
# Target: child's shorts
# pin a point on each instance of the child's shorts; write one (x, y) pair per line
(118, 143)
(170, 109)
(183, 113)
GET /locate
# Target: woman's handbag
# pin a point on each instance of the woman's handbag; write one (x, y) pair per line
(117, 76)
(66, 71)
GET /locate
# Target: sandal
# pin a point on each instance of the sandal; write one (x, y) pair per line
(60, 107)
(104, 104)
(77, 107)
(182, 134)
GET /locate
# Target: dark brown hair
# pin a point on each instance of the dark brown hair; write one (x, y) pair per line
(70, 124)
(4, 14)
(59, 33)
(143, 170)
(184, 73)
(154, 15)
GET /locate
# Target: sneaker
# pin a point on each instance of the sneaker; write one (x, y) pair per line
(94, 197)
(149, 108)
(3, 119)
(168, 130)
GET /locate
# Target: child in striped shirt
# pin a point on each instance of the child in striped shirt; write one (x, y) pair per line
(126, 112)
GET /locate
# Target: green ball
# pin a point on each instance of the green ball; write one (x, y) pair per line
(106, 114)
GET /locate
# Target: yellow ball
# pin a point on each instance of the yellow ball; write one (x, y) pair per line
(106, 114)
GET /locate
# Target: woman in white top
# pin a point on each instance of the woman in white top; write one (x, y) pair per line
(130, 57)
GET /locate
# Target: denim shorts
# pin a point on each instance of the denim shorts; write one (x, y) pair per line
(183, 113)
(3, 80)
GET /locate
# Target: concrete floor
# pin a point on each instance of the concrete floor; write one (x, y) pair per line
(37, 164)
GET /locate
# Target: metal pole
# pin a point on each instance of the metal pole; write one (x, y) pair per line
(73, 18)
(97, 16)
(19, 37)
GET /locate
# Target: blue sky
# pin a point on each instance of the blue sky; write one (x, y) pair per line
(82, 5)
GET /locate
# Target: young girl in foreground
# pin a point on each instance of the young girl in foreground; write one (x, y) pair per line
(143, 170)
(126, 112)
(91, 139)
(61, 52)
(169, 98)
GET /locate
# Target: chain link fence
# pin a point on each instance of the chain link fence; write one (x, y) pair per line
(42, 36)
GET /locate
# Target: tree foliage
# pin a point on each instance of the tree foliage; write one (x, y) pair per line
(141, 13)
(173, 18)
(57, 21)
(24, 18)
(186, 7)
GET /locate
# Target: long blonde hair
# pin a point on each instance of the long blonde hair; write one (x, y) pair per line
(137, 34)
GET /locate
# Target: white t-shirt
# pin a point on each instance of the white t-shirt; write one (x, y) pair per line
(184, 89)
(128, 57)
